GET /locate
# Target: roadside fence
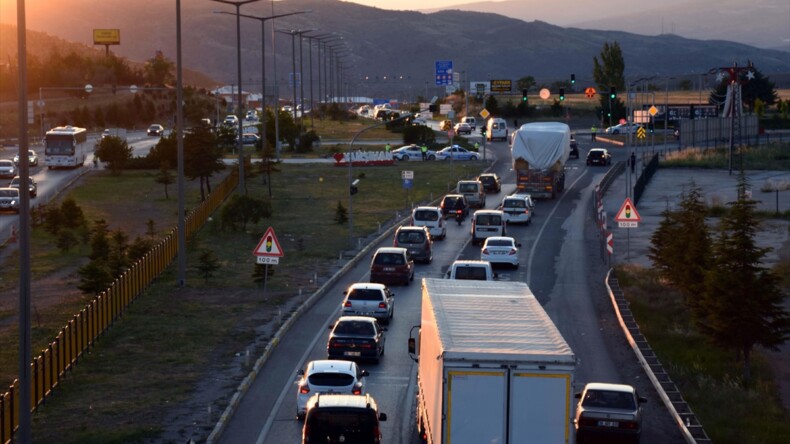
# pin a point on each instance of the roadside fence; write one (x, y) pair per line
(74, 339)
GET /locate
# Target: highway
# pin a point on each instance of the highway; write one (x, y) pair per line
(559, 262)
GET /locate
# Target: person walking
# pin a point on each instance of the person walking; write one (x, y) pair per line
(387, 149)
(593, 130)
(633, 161)
(424, 150)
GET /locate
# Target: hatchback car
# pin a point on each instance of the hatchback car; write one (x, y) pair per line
(156, 130)
(599, 156)
(367, 299)
(249, 139)
(450, 205)
(9, 199)
(32, 158)
(7, 169)
(32, 185)
(491, 182)
(430, 218)
(462, 128)
(356, 337)
(342, 419)
(517, 208)
(417, 240)
(608, 411)
(500, 250)
(392, 265)
(412, 152)
(325, 376)
(456, 152)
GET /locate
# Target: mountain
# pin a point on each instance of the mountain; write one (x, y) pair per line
(390, 52)
(761, 23)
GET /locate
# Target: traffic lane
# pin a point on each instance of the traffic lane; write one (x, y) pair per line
(267, 412)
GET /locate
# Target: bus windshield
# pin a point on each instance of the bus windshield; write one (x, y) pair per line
(60, 145)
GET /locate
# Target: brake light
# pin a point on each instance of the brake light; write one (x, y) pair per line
(347, 304)
(382, 305)
(526, 211)
(512, 251)
(458, 212)
(366, 345)
(357, 390)
(485, 250)
(630, 425)
(333, 343)
(304, 389)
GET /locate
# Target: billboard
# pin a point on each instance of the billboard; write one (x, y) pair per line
(106, 36)
(480, 88)
(501, 86)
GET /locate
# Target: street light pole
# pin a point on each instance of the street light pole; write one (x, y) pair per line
(182, 239)
(240, 107)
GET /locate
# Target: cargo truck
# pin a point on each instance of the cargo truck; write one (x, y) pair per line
(492, 366)
(540, 151)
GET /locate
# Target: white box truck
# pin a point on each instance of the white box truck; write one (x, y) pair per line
(492, 366)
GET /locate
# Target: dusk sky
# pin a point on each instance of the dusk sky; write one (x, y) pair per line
(411, 4)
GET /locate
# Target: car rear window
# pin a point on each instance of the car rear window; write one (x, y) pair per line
(450, 202)
(411, 237)
(389, 259)
(471, 273)
(467, 188)
(515, 203)
(486, 179)
(499, 243)
(596, 154)
(328, 424)
(609, 399)
(331, 379)
(355, 328)
(488, 219)
(364, 294)
(9, 193)
(426, 215)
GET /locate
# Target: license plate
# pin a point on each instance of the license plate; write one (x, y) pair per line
(359, 354)
(389, 268)
(608, 423)
(499, 252)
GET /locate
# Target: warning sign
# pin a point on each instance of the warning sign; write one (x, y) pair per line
(268, 247)
(628, 217)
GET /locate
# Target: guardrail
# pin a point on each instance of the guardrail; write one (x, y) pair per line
(60, 356)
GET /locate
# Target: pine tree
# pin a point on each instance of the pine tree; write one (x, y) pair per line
(694, 245)
(341, 214)
(742, 298)
(208, 263)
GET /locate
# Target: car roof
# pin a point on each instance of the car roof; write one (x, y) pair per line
(355, 319)
(489, 212)
(598, 150)
(470, 263)
(367, 286)
(454, 196)
(488, 174)
(391, 250)
(427, 209)
(337, 400)
(330, 366)
(411, 228)
(508, 238)
(609, 387)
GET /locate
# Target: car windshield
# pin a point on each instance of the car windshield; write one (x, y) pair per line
(609, 399)
(331, 379)
(515, 203)
(360, 328)
(488, 219)
(389, 259)
(9, 193)
(6, 164)
(487, 179)
(426, 215)
(411, 237)
(364, 294)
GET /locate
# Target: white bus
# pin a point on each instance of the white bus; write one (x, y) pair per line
(65, 147)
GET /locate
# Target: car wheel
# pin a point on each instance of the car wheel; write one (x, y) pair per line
(300, 416)
(473, 158)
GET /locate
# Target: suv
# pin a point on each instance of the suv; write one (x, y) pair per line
(32, 186)
(608, 411)
(342, 418)
(450, 203)
(328, 376)
(392, 265)
(471, 270)
(473, 192)
(491, 182)
(365, 299)
(430, 218)
(518, 208)
(417, 240)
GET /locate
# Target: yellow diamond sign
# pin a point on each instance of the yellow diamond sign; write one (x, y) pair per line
(484, 113)
(653, 111)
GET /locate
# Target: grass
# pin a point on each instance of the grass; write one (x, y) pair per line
(171, 339)
(709, 377)
(775, 156)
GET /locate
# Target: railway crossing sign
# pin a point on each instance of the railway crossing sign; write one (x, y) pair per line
(628, 217)
(268, 250)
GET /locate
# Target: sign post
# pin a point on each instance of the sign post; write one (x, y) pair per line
(268, 252)
(408, 181)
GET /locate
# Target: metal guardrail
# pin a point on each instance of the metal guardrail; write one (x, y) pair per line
(670, 395)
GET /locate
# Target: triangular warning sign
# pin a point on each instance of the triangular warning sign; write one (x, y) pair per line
(269, 246)
(627, 212)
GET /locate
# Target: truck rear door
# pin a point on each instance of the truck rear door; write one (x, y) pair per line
(540, 408)
(476, 400)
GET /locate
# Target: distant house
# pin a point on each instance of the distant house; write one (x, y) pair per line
(230, 95)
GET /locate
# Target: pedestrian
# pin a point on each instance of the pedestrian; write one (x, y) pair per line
(515, 123)
(633, 162)
(593, 130)
(424, 149)
(387, 148)
(95, 161)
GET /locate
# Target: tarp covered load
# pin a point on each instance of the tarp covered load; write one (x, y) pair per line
(541, 146)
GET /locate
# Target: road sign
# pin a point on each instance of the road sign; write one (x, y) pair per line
(267, 260)
(628, 217)
(641, 132)
(444, 72)
(406, 174)
(407, 183)
(268, 246)
(609, 243)
(590, 92)
(484, 113)
(653, 111)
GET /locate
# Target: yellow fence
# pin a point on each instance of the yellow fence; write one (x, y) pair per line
(48, 368)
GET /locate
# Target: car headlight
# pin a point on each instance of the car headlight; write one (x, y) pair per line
(13, 202)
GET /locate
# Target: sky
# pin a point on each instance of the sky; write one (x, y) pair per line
(411, 4)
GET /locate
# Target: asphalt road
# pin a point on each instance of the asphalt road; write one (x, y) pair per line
(559, 262)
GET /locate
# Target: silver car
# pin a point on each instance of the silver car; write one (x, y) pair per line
(325, 376)
(9, 199)
(366, 299)
(608, 411)
(32, 158)
(7, 169)
(412, 152)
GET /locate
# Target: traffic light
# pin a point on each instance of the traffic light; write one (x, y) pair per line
(483, 130)
(562, 94)
(613, 93)
(433, 108)
(573, 79)
(524, 95)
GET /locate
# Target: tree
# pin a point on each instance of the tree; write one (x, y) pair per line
(202, 158)
(269, 165)
(99, 242)
(165, 177)
(115, 152)
(752, 89)
(742, 298)
(159, 70)
(243, 209)
(94, 277)
(525, 83)
(608, 73)
(208, 263)
(341, 214)
(66, 240)
(492, 105)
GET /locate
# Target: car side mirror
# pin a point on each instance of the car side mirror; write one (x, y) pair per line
(382, 416)
(300, 372)
(642, 400)
(364, 373)
(331, 326)
(578, 395)
(518, 244)
(496, 275)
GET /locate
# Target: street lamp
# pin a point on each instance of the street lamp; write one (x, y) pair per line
(293, 33)
(239, 145)
(310, 38)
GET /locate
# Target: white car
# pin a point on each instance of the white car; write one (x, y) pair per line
(231, 120)
(500, 250)
(463, 128)
(518, 208)
(456, 152)
(328, 376)
(367, 299)
(32, 158)
(608, 411)
(431, 218)
(412, 152)
(622, 128)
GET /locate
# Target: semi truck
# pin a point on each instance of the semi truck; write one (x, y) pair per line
(540, 151)
(492, 366)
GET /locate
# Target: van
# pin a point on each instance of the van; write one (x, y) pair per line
(496, 129)
(473, 191)
(430, 218)
(470, 121)
(342, 418)
(417, 241)
(518, 208)
(487, 223)
(471, 270)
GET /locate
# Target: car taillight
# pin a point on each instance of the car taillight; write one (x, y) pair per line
(366, 345)
(630, 425)
(333, 343)
(347, 304)
(526, 211)
(382, 305)
(304, 389)
(485, 250)
(512, 251)
(458, 212)
(589, 422)
(357, 390)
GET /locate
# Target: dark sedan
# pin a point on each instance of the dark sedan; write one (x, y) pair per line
(599, 156)
(356, 337)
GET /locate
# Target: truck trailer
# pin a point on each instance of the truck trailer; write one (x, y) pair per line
(492, 366)
(540, 151)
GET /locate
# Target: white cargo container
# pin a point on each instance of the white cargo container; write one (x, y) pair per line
(493, 367)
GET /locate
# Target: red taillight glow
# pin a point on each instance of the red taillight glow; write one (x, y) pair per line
(304, 389)
(347, 304)
(628, 425)
(459, 212)
(485, 250)
(356, 390)
(512, 251)
(366, 345)
(382, 305)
